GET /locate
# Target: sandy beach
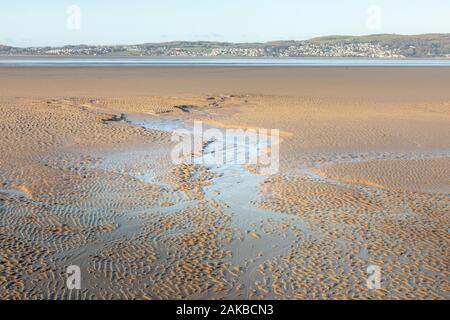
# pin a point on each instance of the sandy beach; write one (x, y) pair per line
(86, 179)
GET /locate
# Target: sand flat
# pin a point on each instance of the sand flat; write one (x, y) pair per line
(363, 180)
(426, 175)
(405, 83)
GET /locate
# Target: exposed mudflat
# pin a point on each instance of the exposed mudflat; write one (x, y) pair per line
(88, 181)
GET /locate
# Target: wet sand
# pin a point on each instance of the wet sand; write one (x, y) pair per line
(401, 84)
(363, 180)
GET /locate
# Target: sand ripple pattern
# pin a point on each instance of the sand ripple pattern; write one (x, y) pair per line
(78, 185)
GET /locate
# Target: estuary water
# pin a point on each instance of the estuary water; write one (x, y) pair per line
(215, 62)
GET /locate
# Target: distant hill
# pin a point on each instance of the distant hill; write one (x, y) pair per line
(424, 45)
(5, 48)
(371, 46)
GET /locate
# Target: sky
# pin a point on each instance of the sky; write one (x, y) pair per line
(54, 23)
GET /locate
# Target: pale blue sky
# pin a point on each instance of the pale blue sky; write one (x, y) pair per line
(43, 22)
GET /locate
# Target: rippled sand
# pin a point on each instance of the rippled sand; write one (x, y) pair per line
(362, 182)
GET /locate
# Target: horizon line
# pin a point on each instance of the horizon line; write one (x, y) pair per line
(231, 42)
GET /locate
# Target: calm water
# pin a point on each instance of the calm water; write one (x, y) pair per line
(216, 62)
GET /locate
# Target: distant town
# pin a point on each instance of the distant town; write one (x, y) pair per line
(373, 46)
